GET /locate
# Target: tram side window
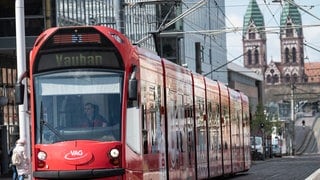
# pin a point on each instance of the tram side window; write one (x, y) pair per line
(151, 133)
(144, 130)
(145, 141)
(225, 114)
(216, 121)
(217, 112)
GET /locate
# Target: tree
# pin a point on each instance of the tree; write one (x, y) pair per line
(260, 124)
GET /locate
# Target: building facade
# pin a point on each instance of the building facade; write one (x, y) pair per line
(213, 50)
(246, 80)
(254, 39)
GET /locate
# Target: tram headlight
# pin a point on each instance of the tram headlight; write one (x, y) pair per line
(114, 153)
(42, 155)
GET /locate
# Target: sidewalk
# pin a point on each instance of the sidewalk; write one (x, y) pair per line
(314, 176)
(6, 177)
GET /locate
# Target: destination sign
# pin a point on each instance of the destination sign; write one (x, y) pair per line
(78, 59)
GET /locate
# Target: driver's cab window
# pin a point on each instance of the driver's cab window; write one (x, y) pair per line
(78, 108)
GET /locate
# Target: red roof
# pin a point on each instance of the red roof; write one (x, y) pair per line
(312, 70)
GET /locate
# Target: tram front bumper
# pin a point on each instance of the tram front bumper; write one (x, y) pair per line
(79, 174)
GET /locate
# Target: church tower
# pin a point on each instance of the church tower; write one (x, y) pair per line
(291, 39)
(254, 38)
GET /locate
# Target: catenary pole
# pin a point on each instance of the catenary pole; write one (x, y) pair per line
(24, 130)
(292, 149)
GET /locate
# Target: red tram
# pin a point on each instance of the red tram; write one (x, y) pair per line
(161, 121)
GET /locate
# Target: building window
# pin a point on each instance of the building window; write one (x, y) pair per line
(73, 12)
(269, 77)
(169, 49)
(249, 57)
(294, 55)
(34, 26)
(273, 78)
(256, 56)
(252, 34)
(295, 78)
(166, 13)
(276, 78)
(287, 58)
(34, 18)
(289, 30)
(287, 79)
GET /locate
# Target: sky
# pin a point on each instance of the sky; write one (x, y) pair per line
(235, 11)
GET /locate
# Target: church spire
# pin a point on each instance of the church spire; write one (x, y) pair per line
(254, 17)
(291, 42)
(291, 16)
(254, 38)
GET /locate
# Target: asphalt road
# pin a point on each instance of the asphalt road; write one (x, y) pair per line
(285, 168)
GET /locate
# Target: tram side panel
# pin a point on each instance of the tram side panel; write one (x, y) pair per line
(201, 126)
(180, 122)
(225, 128)
(152, 119)
(246, 131)
(239, 111)
(236, 141)
(214, 131)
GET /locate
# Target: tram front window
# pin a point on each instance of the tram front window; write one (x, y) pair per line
(81, 105)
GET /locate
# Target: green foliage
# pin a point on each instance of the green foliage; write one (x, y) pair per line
(260, 123)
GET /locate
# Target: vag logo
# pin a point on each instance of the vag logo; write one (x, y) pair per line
(76, 152)
(77, 156)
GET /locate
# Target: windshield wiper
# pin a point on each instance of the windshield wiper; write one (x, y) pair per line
(44, 122)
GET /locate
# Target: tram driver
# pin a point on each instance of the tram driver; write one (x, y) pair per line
(92, 117)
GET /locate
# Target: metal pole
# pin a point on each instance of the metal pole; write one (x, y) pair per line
(24, 131)
(198, 57)
(21, 54)
(292, 119)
